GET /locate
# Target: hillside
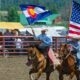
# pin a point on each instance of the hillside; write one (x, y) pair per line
(5, 4)
(56, 6)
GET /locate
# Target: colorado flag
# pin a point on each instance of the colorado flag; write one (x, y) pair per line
(34, 13)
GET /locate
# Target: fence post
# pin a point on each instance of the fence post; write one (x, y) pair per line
(3, 46)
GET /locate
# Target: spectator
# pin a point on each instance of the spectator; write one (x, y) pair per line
(16, 32)
(18, 41)
(8, 40)
(28, 34)
(18, 44)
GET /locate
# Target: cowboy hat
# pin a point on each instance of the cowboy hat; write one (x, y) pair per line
(44, 29)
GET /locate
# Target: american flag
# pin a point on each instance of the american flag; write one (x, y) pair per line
(74, 27)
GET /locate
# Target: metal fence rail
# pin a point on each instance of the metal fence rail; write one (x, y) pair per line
(9, 44)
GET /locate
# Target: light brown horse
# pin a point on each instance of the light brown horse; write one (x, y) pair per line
(39, 63)
(68, 65)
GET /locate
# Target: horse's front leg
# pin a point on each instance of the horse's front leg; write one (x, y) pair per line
(60, 74)
(77, 74)
(41, 66)
(71, 76)
(30, 74)
(48, 75)
(33, 71)
(39, 74)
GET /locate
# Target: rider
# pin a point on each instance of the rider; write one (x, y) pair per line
(46, 41)
(75, 44)
(78, 55)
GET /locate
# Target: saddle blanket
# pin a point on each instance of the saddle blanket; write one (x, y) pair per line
(53, 57)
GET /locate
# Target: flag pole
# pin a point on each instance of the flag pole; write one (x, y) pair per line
(31, 28)
(70, 17)
(32, 31)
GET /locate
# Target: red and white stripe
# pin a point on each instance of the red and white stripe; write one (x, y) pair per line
(74, 30)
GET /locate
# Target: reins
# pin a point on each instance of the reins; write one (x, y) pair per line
(68, 54)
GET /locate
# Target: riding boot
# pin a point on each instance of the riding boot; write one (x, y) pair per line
(78, 64)
(78, 68)
(46, 51)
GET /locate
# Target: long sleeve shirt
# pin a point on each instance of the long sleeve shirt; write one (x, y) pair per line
(46, 41)
(18, 43)
(73, 44)
(76, 46)
(78, 51)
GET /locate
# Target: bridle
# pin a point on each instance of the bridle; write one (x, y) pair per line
(65, 53)
(68, 54)
(32, 55)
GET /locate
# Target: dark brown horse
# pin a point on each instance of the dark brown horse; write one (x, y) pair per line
(68, 65)
(39, 63)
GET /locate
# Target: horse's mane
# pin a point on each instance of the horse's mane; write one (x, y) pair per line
(37, 46)
(34, 45)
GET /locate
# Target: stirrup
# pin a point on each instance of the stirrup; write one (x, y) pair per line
(54, 67)
(45, 56)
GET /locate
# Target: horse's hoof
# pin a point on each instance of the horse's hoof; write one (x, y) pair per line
(27, 63)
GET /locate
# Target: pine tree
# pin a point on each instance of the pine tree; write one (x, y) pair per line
(13, 15)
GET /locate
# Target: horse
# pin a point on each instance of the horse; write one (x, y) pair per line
(39, 63)
(68, 63)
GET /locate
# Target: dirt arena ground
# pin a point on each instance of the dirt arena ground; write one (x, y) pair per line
(14, 68)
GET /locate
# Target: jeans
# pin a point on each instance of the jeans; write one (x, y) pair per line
(44, 50)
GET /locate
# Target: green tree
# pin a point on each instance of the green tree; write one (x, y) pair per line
(13, 15)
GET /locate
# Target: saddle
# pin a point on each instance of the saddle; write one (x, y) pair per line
(44, 51)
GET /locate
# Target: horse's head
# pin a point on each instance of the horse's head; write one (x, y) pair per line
(64, 50)
(67, 59)
(31, 52)
(32, 55)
